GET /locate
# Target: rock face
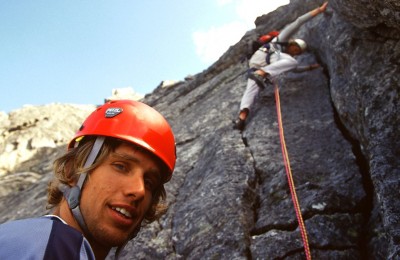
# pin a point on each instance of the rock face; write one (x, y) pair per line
(229, 197)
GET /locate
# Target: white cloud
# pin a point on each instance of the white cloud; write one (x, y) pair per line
(212, 42)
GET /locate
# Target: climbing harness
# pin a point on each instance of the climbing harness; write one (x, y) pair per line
(285, 155)
(271, 48)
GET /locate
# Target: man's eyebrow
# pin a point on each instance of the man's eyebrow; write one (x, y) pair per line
(156, 171)
(125, 156)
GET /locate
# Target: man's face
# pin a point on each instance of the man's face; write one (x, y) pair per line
(117, 195)
(293, 49)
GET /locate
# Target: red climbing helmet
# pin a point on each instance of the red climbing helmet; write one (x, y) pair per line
(134, 122)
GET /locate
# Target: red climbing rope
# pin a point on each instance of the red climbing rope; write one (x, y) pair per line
(302, 227)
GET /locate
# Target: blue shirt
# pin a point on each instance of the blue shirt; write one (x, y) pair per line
(47, 237)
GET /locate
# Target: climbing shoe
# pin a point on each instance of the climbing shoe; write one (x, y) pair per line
(239, 124)
(260, 80)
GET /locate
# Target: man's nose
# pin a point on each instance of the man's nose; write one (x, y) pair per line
(135, 186)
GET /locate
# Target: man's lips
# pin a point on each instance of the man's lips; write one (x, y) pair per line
(123, 211)
(123, 214)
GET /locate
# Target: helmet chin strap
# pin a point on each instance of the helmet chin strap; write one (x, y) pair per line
(73, 195)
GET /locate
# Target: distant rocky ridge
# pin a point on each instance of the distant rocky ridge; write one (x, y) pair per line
(124, 93)
(229, 197)
(31, 128)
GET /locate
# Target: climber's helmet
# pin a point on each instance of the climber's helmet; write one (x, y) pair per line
(296, 46)
(136, 123)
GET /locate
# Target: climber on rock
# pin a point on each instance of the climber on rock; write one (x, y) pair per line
(109, 181)
(273, 59)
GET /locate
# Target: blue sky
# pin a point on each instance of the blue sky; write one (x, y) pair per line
(78, 51)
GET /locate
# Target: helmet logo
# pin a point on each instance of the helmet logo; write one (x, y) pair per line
(113, 111)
